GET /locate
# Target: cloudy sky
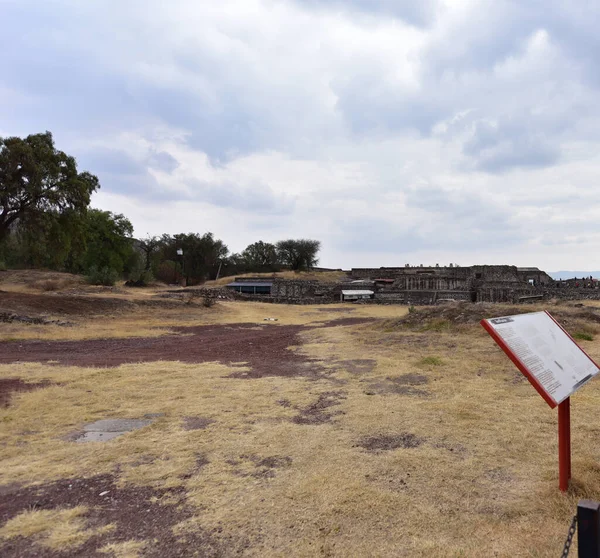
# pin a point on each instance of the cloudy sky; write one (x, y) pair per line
(394, 131)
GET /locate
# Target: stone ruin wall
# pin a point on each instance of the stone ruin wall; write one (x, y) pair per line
(430, 285)
(302, 290)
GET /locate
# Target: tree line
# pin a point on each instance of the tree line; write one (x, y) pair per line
(46, 222)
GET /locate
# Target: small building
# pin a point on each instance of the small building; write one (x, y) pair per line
(251, 287)
(383, 282)
(348, 295)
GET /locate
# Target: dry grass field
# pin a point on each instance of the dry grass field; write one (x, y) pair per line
(339, 430)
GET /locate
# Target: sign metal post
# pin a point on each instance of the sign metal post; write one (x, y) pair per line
(564, 444)
(554, 365)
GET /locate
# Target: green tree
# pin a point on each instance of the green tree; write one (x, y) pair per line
(36, 178)
(108, 242)
(149, 246)
(260, 256)
(50, 239)
(300, 254)
(201, 254)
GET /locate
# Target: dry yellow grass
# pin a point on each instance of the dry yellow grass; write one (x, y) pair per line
(58, 529)
(127, 549)
(155, 322)
(481, 482)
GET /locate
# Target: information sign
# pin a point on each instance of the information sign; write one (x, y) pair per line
(544, 352)
(554, 364)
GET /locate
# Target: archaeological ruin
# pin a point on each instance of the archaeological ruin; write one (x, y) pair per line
(420, 285)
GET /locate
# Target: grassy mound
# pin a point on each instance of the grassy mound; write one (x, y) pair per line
(580, 321)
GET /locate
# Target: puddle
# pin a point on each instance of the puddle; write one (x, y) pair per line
(108, 429)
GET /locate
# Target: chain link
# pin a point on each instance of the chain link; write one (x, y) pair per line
(572, 530)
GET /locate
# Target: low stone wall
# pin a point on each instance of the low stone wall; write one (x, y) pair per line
(217, 293)
(303, 300)
(420, 298)
(572, 294)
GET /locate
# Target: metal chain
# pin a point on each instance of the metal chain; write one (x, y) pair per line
(572, 530)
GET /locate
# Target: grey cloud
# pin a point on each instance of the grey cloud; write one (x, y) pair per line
(122, 174)
(162, 160)
(499, 148)
(256, 199)
(102, 160)
(242, 95)
(420, 13)
(373, 235)
(438, 220)
(371, 106)
(457, 205)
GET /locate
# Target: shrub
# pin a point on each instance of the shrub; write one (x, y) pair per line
(169, 272)
(583, 336)
(48, 285)
(191, 299)
(208, 302)
(140, 278)
(104, 276)
(411, 309)
(431, 361)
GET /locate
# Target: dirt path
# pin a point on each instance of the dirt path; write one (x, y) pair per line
(263, 347)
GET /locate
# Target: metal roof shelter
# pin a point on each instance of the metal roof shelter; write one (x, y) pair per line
(356, 294)
(250, 284)
(251, 287)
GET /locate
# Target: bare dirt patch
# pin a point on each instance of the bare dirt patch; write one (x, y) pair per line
(264, 348)
(387, 442)
(275, 462)
(340, 310)
(201, 462)
(318, 412)
(137, 513)
(8, 386)
(197, 423)
(264, 467)
(75, 304)
(358, 366)
(400, 385)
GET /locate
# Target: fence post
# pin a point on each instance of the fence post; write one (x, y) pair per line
(588, 527)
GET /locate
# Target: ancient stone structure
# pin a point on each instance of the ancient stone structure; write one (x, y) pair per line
(428, 285)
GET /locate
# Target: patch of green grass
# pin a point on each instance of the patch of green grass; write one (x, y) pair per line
(437, 325)
(583, 336)
(431, 361)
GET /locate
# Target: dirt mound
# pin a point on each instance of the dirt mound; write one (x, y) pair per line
(25, 303)
(447, 317)
(73, 305)
(11, 317)
(41, 280)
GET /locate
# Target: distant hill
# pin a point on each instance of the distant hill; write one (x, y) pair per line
(571, 274)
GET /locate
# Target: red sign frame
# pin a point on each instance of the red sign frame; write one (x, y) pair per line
(564, 407)
(521, 366)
